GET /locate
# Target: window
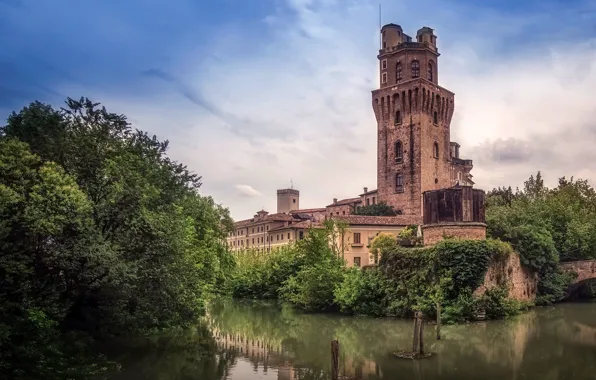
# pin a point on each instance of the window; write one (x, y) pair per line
(398, 72)
(436, 150)
(384, 45)
(430, 71)
(399, 183)
(282, 236)
(357, 261)
(356, 237)
(247, 241)
(267, 228)
(435, 118)
(253, 240)
(374, 200)
(384, 78)
(293, 200)
(253, 230)
(415, 69)
(384, 64)
(301, 235)
(343, 213)
(267, 239)
(399, 151)
(277, 237)
(288, 235)
(368, 201)
(397, 117)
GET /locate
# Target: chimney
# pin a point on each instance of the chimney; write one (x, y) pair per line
(334, 200)
(366, 190)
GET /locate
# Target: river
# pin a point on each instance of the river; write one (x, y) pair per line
(258, 340)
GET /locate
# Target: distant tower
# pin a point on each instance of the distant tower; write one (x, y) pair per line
(413, 121)
(288, 200)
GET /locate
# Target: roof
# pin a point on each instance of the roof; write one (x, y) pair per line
(279, 217)
(307, 210)
(299, 225)
(369, 192)
(400, 220)
(346, 202)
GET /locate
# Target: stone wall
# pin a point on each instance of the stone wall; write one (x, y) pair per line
(434, 233)
(522, 282)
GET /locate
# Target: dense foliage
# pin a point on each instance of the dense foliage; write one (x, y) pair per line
(406, 279)
(377, 209)
(546, 226)
(100, 234)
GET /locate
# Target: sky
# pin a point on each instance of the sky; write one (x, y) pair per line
(256, 95)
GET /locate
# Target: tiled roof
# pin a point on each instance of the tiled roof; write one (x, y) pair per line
(279, 217)
(369, 192)
(400, 220)
(299, 225)
(308, 210)
(346, 202)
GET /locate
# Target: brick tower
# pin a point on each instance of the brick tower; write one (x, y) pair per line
(414, 152)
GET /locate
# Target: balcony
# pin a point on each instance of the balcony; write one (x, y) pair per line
(459, 161)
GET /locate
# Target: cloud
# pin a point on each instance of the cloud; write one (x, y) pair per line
(247, 191)
(281, 89)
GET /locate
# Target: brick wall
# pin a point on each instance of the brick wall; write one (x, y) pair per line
(434, 233)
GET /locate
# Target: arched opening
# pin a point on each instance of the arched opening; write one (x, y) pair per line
(399, 183)
(415, 69)
(398, 72)
(397, 117)
(436, 150)
(435, 118)
(399, 152)
(430, 71)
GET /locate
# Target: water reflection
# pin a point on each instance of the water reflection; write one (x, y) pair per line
(255, 340)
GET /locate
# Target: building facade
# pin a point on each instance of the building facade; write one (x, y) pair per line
(415, 154)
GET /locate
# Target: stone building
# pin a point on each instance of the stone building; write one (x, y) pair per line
(413, 112)
(415, 155)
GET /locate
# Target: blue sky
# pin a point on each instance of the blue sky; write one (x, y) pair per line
(255, 93)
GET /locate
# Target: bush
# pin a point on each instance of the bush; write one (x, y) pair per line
(362, 292)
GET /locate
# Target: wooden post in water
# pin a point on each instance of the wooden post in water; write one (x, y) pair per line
(418, 343)
(438, 321)
(334, 359)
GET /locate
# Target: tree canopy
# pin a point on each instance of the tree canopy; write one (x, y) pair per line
(100, 233)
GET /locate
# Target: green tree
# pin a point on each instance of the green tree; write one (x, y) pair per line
(377, 209)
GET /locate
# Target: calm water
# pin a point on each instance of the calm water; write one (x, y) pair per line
(263, 341)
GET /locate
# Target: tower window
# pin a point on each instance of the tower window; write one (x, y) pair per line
(399, 183)
(436, 150)
(399, 152)
(435, 118)
(430, 71)
(384, 78)
(398, 72)
(415, 69)
(397, 117)
(293, 200)
(384, 64)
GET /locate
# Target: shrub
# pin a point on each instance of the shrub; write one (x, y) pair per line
(362, 292)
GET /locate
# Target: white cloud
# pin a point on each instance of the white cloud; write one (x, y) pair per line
(300, 107)
(247, 191)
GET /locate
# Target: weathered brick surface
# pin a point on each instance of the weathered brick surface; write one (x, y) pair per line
(522, 282)
(585, 269)
(434, 233)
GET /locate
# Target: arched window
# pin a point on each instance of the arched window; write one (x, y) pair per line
(436, 150)
(397, 117)
(435, 118)
(415, 69)
(398, 72)
(399, 183)
(399, 151)
(430, 71)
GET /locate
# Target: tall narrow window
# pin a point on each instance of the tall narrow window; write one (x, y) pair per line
(399, 152)
(430, 71)
(435, 118)
(415, 69)
(398, 72)
(383, 64)
(384, 78)
(356, 237)
(397, 117)
(399, 183)
(436, 150)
